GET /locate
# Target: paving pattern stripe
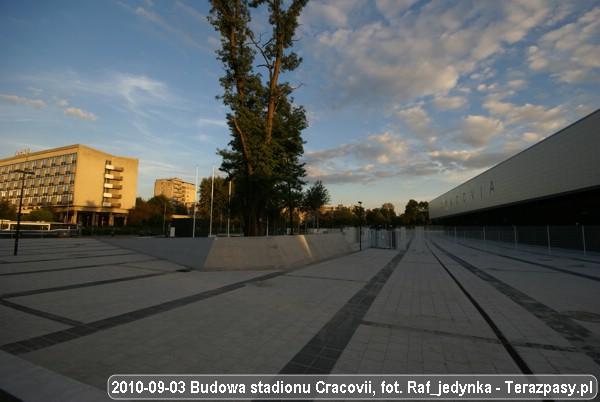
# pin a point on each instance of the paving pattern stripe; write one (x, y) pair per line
(580, 337)
(80, 329)
(71, 257)
(80, 285)
(39, 313)
(38, 271)
(495, 341)
(539, 264)
(519, 361)
(325, 278)
(322, 352)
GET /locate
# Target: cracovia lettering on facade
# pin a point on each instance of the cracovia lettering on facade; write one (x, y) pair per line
(451, 202)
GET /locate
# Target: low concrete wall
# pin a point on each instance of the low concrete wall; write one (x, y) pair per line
(185, 251)
(279, 252)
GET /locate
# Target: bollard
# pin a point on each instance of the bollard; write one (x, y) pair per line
(548, 234)
(515, 235)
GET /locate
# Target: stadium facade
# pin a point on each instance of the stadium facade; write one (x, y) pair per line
(554, 182)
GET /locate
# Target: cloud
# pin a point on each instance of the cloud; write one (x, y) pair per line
(571, 52)
(422, 51)
(383, 148)
(417, 119)
(211, 122)
(174, 29)
(449, 102)
(378, 156)
(18, 100)
(534, 117)
(80, 114)
(467, 159)
(62, 103)
(479, 130)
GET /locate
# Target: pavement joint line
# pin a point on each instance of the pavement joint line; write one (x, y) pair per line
(40, 313)
(82, 329)
(321, 353)
(68, 257)
(324, 277)
(532, 345)
(515, 356)
(80, 285)
(39, 271)
(539, 264)
(580, 337)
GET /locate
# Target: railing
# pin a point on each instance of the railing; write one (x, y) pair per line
(580, 238)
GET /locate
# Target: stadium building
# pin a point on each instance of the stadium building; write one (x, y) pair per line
(554, 182)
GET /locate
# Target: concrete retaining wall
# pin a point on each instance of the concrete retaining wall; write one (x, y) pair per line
(185, 251)
(280, 252)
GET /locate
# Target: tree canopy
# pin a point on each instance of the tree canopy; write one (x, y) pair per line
(263, 157)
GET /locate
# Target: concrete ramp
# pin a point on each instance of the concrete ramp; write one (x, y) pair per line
(280, 252)
(184, 251)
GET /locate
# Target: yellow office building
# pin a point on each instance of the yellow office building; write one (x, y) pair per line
(82, 185)
(177, 190)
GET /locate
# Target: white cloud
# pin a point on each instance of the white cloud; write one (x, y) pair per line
(62, 103)
(467, 159)
(571, 52)
(449, 102)
(535, 117)
(531, 137)
(423, 51)
(479, 130)
(170, 27)
(80, 114)
(417, 119)
(211, 122)
(18, 100)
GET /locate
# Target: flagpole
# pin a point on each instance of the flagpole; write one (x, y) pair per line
(229, 208)
(195, 203)
(212, 197)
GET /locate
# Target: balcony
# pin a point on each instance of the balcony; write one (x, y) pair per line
(113, 167)
(111, 204)
(109, 176)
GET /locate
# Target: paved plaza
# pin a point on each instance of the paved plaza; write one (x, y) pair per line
(75, 311)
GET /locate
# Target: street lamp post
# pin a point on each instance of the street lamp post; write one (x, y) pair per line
(360, 225)
(18, 231)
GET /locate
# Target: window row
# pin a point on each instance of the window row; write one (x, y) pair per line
(42, 172)
(66, 189)
(38, 182)
(40, 163)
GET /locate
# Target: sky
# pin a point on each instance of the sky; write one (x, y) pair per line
(405, 98)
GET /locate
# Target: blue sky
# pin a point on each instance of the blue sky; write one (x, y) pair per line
(405, 98)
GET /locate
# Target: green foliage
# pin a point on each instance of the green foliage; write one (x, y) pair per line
(416, 213)
(221, 197)
(150, 213)
(7, 210)
(263, 157)
(314, 198)
(40, 215)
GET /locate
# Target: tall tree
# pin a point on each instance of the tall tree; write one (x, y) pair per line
(266, 143)
(315, 197)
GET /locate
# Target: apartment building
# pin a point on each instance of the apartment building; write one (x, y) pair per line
(82, 184)
(177, 190)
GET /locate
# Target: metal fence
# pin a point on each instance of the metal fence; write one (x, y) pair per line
(582, 238)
